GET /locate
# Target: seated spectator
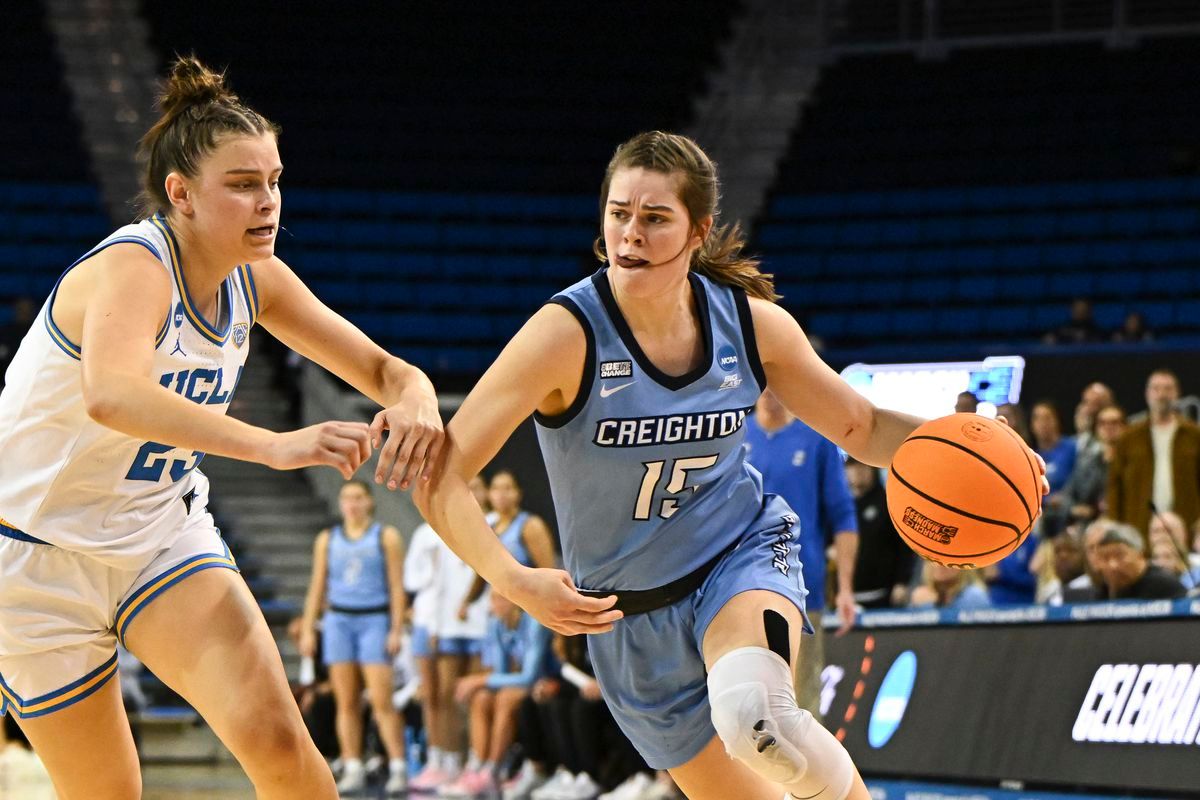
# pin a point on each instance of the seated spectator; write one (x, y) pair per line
(966, 403)
(884, 564)
(1057, 451)
(946, 587)
(1169, 548)
(1133, 329)
(1124, 571)
(1065, 559)
(516, 653)
(1012, 582)
(1083, 588)
(1015, 416)
(1094, 397)
(566, 727)
(1081, 328)
(1082, 497)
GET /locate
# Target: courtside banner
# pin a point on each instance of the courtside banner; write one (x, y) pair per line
(1102, 705)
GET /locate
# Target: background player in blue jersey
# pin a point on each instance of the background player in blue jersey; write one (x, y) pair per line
(357, 580)
(641, 378)
(212, 179)
(805, 469)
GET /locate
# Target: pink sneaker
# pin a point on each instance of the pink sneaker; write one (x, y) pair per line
(429, 779)
(471, 784)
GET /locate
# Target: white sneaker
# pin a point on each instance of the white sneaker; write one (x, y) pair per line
(354, 778)
(632, 789)
(582, 788)
(523, 784)
(397, 782)
(555, 788)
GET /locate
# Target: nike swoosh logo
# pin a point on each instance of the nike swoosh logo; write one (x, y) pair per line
(605, 391)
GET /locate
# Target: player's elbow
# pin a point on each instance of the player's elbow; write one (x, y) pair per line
(101, 403)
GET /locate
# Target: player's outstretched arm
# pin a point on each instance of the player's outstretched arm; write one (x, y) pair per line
(117, 340)
(538, 370)
(816, 394)
(295, 316)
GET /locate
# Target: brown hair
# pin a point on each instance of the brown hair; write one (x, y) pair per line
(198, 109)
(720, 257)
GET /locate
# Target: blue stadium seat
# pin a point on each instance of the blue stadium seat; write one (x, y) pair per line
(1122, 284)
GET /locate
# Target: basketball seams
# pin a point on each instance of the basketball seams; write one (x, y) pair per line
(991, 466)
(997, 522)
(1037, 485)
(920, 545)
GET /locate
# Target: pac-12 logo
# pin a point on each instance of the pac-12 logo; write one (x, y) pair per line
(727, 358)
(892, 700)
(240, 332)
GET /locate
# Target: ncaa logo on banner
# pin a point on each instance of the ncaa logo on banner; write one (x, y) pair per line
(892, 700)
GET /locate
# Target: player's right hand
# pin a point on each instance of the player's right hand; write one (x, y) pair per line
(308, 642)
(550, 597)
(341, 445)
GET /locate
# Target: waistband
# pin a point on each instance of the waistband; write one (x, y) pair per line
(20, 536)
(383, 609)
(641, 601)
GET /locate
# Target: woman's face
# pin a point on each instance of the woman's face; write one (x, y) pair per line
(503, 494)
(355, 502)
(232, 204)
(1044, 423)
(1110, 425)
(647, 229)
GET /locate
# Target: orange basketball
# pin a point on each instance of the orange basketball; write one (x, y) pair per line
(964, 491)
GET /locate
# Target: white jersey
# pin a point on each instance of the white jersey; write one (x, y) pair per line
(441, 580)
(69, 481)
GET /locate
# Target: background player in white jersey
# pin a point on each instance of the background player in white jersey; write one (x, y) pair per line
(115, 394)
(640, 378)
(357, 581)
(445, 647)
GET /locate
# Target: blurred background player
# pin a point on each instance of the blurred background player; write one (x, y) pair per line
(806, 470)
(884, 566)
(357, 582)
(446, 647)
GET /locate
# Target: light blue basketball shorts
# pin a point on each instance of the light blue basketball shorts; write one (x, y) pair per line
(650, 666)
(358, 638)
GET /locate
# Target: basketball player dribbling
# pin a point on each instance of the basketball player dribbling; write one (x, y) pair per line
(640, 378)
(116, 393)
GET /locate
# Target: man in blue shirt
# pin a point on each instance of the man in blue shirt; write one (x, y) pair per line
(806, 469)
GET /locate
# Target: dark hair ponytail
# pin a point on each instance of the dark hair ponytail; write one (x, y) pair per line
(197, 110)
(720, 258)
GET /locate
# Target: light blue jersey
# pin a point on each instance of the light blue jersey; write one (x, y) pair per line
(513, 539)
(647, 470)
(357, 570)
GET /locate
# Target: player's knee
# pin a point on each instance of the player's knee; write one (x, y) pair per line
(270, 739)
(756, 717)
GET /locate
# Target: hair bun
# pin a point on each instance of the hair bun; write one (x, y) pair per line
(190, 84)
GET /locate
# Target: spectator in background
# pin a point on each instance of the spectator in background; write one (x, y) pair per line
(1081, 499)
(1085, 587)
(1169, 548)
(966, 403)
(1081, 329)
(1124, 571)
(884, 566)
(805, 469)
(515, 653)
(23, 311)
(1057, 451)
(1156, 464)
(1133, 329)
(946, 587)
(1094, 397)
(445, 647)
(1061, 561)
(1015, 416)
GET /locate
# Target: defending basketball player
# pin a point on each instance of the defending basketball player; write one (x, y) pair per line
(640, 378)
(114, 397)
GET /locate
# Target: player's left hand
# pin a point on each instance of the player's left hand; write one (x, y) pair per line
(847, 612)
(394, 639)
(415, 435)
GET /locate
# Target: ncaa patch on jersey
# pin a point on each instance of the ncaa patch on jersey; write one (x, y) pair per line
(616, 369)
(727, 358)
(240, 332)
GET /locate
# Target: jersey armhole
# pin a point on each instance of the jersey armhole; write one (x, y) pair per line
(589, 369)
(748, 339)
